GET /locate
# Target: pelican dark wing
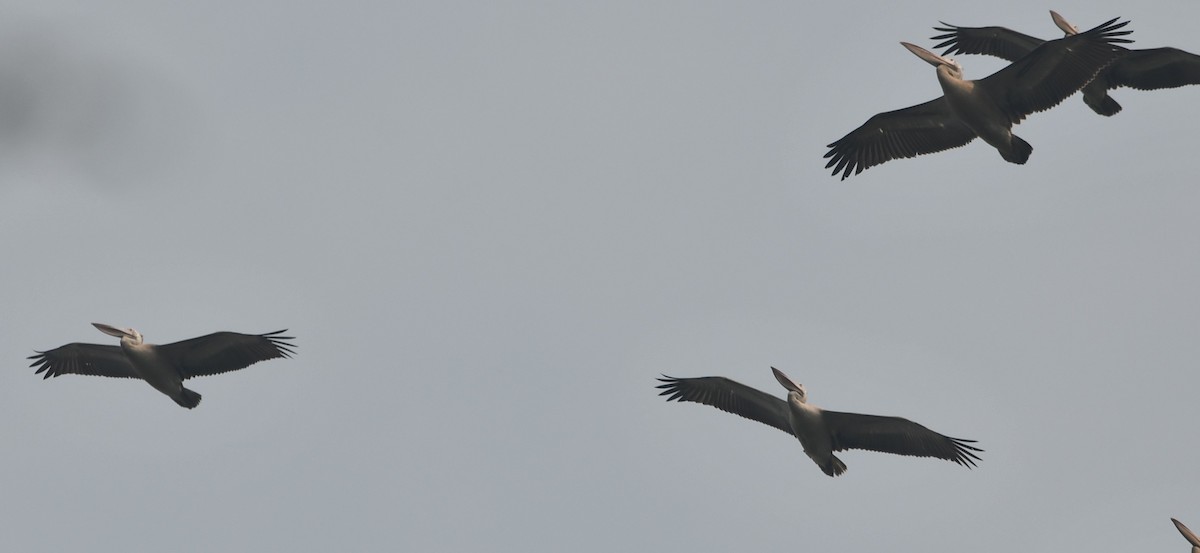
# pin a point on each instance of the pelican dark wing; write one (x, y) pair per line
(990, 41)
(729, 396)
(86, 359)
(222, 352)
(821, 432)
(1150, 69)
(1144, 70)
(986, 108)
(1054, 70)
(896, 435)
(164, 367)
(921, 129)
(1154, 69)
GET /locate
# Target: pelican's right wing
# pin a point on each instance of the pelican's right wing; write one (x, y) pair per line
(909, 132)
(1003, 43)
(89, 359)
(728, 396)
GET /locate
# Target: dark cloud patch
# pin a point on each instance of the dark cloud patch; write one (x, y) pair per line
(67, 104)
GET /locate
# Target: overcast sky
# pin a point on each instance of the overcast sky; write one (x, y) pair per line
(492, 225)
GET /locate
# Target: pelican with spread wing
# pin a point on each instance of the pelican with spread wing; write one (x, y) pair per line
(820, 432)
(164, 367)
(1150, 69)
(985, 108)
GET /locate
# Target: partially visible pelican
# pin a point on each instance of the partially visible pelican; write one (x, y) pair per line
(1151, 69)
(165, 367)
(985, 108)
(821, 432)
(1188, 535)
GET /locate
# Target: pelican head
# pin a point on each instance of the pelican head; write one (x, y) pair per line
(791, 385)
(1188, 535)
(1062, 24)
(934, 59)
(122, 333)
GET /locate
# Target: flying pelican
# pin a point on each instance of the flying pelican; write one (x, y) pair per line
(1188, 535)
(821, 432)
(1151, 69)
(985, 108)
(164, 367)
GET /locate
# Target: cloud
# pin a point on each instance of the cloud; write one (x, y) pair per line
(70, 103)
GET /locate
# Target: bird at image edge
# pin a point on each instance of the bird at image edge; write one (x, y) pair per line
(1188, 535)
(1151, 69)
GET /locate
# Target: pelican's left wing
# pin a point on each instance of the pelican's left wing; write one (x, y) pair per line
(896, 435)
(1055, 70)
(990, 41)
(1155, 69)
(221, 352)
(909, 132)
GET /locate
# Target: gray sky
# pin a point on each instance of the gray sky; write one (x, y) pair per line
(490, 226)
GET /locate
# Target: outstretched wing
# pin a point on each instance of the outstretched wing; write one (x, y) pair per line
(1054, 70)
(989, 41)
(909, 132)
(728, 396)
(1155, 69)
(896, 435)
(221, 352)
(89, 359)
